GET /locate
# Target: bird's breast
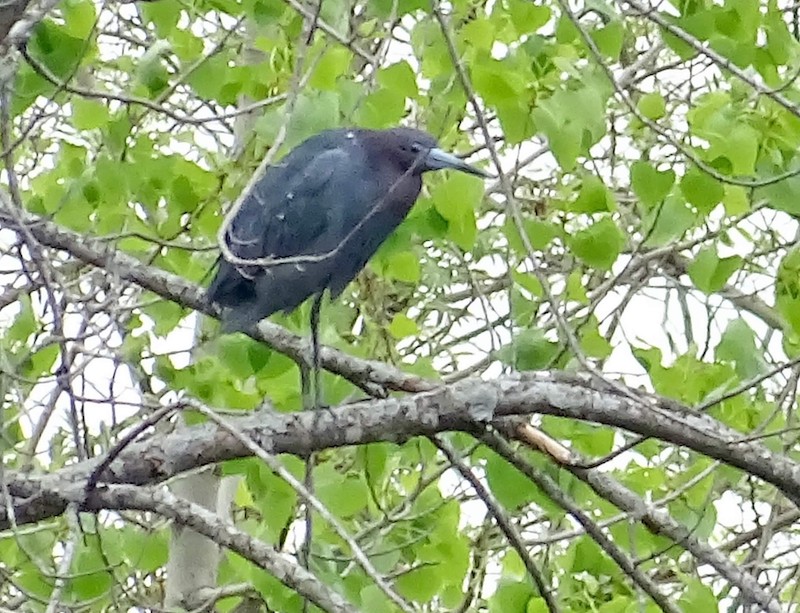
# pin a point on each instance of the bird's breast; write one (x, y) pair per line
(402, 194)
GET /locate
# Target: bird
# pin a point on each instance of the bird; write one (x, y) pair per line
(314, 219)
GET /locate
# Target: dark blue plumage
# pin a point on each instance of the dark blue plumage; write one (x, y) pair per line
(341, 191)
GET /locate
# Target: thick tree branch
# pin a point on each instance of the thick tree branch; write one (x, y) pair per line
(203, 521)
(22, 18)
(10, 12)
(398, 419)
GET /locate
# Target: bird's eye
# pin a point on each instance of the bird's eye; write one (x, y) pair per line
(416, 147)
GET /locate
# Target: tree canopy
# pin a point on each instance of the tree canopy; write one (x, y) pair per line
(571, 387)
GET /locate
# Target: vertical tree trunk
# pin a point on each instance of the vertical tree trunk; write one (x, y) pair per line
(194, 559)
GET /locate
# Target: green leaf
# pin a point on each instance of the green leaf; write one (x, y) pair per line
(375, 461)
(210, 76)
(573, 118)
(30, 580)
(564, 138)
(146, 552)
(91, 576)
(151, 71)
(736, 200)
(781, 45)
(738, 344)
(25, 323)
(330, 68)
(399, 77)
(530, 350)
(637, 536)
(566, 32)
(186, 45)
(344, 496)
(456, 199)
(709, 272)
(651, 186)
(599, 244)
(681, 48)
(589, 557)
(165, 314)
(529, 282)
(511, 597)
(164, 15)
(480, 33)
(314, 112)
(272, 494)
(576, 287)
(89, 114)
(403, 266)
(79, 17)
(787, 289)
(740, 145)
(262, 12)
(382, 108)
(56, 48)
(373, 599)
(588, 439)
(593, 343)
(511, 488)
(28, 86)
(537, 605)
(259, 355)
(41, 361)
(609, 39)
(403, 326)
(594, 197)
(451, 551)
(710, 111)
(539, 233)
(495, 81)
(230, 348)
(782, 195)
(512, 565)
(515, 118)
(277, 596)
(698, 597)
(701, 190)
(420, 584)
(668, 222)
(527, 17)
(652, 106)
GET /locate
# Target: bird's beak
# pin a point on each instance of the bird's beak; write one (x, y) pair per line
(438, 159)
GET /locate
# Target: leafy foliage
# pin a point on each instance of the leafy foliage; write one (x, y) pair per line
(642, 227)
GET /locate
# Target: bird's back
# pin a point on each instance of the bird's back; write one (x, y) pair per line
(331, 198)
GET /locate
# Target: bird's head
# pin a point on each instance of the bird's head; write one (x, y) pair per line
(419, 151)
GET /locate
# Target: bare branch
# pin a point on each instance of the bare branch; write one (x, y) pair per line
(655, 519)
(397, 419)
(162, 501)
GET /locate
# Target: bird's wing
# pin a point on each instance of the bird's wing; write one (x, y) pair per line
(287, 210)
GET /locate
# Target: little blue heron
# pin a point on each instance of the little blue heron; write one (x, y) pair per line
(313, 220)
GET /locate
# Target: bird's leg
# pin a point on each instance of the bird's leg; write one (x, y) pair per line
(307, 395)
(305, 385)
(315, 350)
(308, 482)
(315, 402)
